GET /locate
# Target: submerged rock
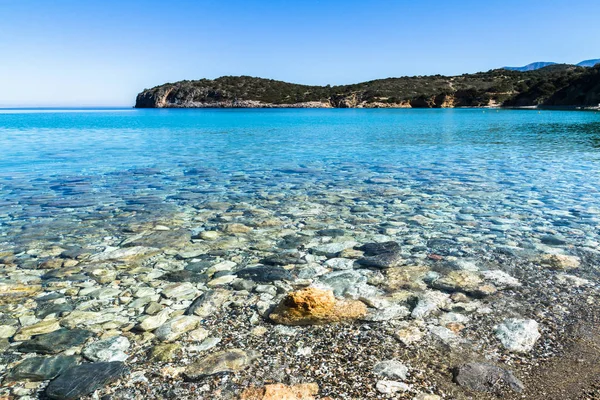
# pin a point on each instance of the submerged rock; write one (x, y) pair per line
(111, 349)
(217, 363)
(265, 273)
(55, 342)
(518, 335)
(279, 391)
(41, 368)
(312, 306)
(560, 261)
(81, 380)
(485, 377)
(208, 303)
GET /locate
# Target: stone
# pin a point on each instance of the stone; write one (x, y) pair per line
(518, 335)
(332, 249)
(387, 313)
(79, 318)
(217, 363)
(209, 235)
(391, 387)
(41, 368)
(265, 273)
(208, 303)
(236, 228)
(426, 396)
(279, 391)
(463, 281)
(176, 327)
(111, 349)
(344, 282)
(221, 281)
(40, 328)
(219, 267)
(340, 263)
(373, 249)
(501, 279)
(382, 260)
(125, 254)
(485, 377)
(312, 306)
(560, 261)
(429, 302)
(82, 380)
(149, 324)
(283, 259)
(407, 277)
(180, 291)
(409, 335)
(331, 232)
(14, 291)
(172, 239)
(55, 342)
(7, 331)
(165, 352)
(207, 344)
(391, 369)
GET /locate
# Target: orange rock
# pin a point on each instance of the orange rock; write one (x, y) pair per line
(279, 391)
(312, 306)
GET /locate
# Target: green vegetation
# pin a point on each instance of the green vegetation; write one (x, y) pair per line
(547, 85)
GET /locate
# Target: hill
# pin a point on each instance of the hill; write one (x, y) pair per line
(531, 67)
(558, 84)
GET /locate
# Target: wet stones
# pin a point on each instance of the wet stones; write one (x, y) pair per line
(312, 306)
(55, 342)
(283, 259)
(279, 391)
(268, 273)
(218, 363)
(518, 335)
(81, 380)
(485, 377)
(208, 303)
(165, 352)
(111, 349)
(560, 261)
(391, 369)
(15, 291)
(381, 255)
(41, 368)
(176, 327)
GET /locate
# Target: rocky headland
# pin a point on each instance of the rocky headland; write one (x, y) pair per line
(559, 85)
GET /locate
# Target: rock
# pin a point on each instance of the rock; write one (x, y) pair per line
(312, 306)
(349, 283)
(332, 249)
(236, 228)
(151, 323)
(184, 276)
(409, 334)
(81, 380)
(382, 260)
(485, 377)
(340, 263)
(425, 396)
(331, 232)
(553, 240)
(387, 313)
(463, 281)
(265, 274)
(208, 303)
(391, 369)
(7, 331)
(41, 368)
(217, 363)
(55, 342)
(176, 327)
(283, 259)
(391, 387)
(111, 349)
(407, 277)
(207, 344)
(172, 239)
(220, 267)
(209, 235)
(501, 279)
(560, 261)
(40, 328)
(164, 352)
(15, 291)
(125, 254)
(429, 302)
(518, 335)
(221, 281)
(279, 391)
(373, 249)
(180, 291)
(86, 318)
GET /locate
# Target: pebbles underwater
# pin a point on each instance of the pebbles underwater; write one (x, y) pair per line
(341, 280)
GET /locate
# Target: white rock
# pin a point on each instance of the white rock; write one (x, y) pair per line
(391, 387)
(112, 349)
(391, 369)
(518, 335)
(500, 279)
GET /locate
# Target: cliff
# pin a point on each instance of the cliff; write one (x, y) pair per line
(555, 85)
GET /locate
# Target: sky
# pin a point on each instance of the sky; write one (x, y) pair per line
(102, 53)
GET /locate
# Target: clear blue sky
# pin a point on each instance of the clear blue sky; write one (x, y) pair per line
(84, 53)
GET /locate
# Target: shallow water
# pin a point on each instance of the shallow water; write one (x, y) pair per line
(512, 176)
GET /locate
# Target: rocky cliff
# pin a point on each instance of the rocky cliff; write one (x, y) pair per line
(556, 85)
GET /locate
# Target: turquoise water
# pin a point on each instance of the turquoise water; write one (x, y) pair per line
(61, 169)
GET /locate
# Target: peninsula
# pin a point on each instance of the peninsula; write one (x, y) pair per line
(557, 85)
